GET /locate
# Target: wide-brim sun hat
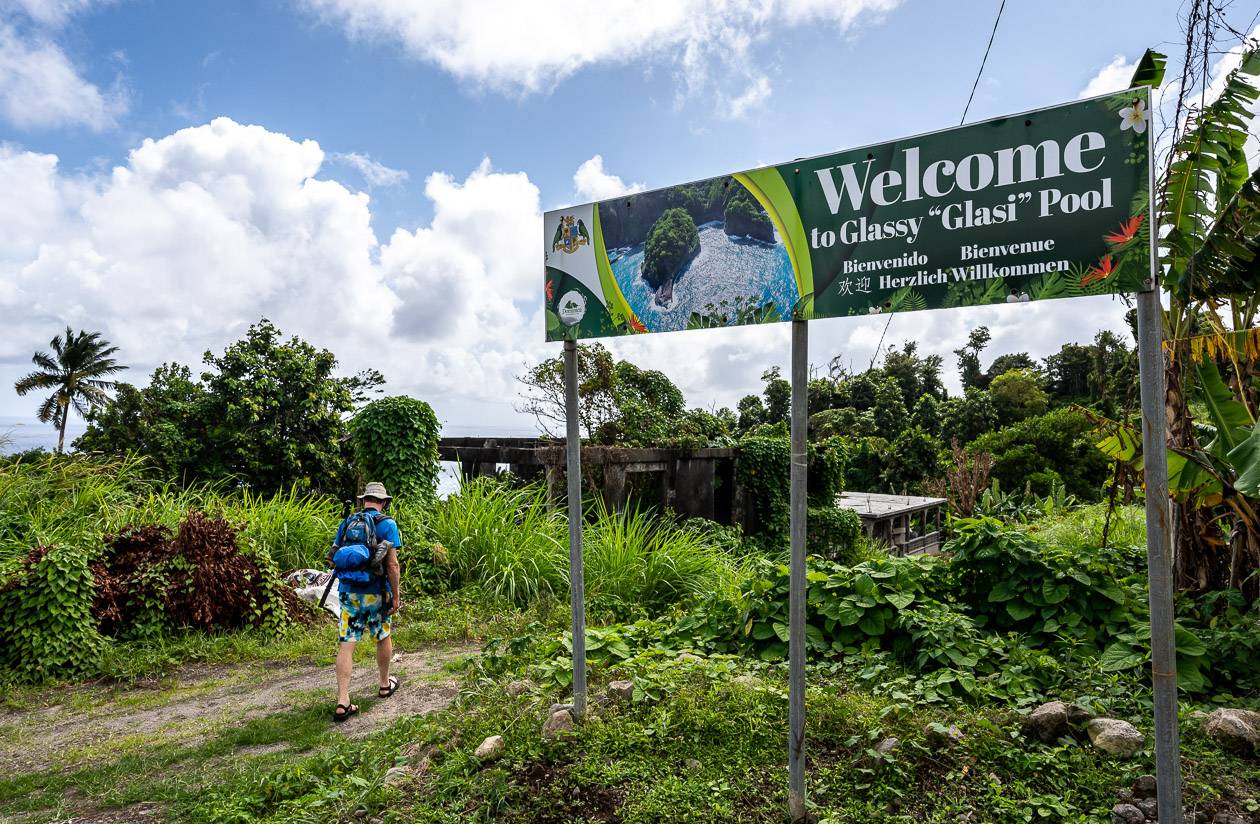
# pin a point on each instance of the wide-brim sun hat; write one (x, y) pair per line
(375, 490)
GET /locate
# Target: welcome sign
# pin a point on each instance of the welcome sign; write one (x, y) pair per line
(1049, 204)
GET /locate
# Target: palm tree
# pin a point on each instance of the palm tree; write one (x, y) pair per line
(75, 373)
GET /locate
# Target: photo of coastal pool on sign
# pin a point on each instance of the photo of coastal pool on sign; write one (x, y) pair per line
(1048, 204)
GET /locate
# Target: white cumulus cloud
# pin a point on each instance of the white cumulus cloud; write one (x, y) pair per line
(525, 46)
(204, 231)
(592, 182)
(40, 87)
(1110, 78)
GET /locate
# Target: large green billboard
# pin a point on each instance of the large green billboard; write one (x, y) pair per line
(1053, 203)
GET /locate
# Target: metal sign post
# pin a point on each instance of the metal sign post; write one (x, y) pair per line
(1159, 555)
(796, 606)
(573, 473)
(1150, 328)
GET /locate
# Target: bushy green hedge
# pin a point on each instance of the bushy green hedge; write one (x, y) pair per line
(833, 533)
(47, 608)
(396, 442)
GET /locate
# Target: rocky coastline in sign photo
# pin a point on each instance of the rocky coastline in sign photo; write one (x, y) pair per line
(698, 254)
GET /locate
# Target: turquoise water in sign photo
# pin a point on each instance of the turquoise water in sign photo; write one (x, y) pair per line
(727, 268)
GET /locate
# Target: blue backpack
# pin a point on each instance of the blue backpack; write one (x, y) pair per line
(359, 556)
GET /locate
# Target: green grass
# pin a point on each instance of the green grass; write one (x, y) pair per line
(505, 539)
(631, 762)
(510, 543)
(78, 501)
(637, 563)
(1081, 529)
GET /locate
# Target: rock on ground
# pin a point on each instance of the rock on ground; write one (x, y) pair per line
(1048, 723)
(1235, 730)
(1115, 737)
(1127, 814)
(943, 736)
(492, 747)
(518, 688)
(621, 690)
(396, 776)
(559, 721)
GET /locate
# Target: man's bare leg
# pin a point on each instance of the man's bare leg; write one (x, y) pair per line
(384, 652)
(345, 665)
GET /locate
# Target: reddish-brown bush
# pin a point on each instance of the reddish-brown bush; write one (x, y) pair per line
(197, 579)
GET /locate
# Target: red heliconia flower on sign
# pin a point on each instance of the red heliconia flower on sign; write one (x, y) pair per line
(1100, 272)
(551, 290)
(637, 325)
(1128, 230)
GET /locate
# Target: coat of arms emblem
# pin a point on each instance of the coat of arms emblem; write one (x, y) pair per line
(570, 236)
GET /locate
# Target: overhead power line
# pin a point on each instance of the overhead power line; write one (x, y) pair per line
(983, 60)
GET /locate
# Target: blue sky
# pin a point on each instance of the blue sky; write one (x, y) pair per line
(303, 155)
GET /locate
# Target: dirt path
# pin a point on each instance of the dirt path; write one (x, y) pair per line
(94, 723)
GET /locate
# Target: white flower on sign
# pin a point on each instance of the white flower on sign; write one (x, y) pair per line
(1134, 117)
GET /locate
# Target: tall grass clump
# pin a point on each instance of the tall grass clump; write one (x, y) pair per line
(509, 542)
(73, 501)
(1081, 531)
(637, 561)
(505, 539)
(294, 528)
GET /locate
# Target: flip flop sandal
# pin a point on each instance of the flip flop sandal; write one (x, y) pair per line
(385, 692)
(347, 711)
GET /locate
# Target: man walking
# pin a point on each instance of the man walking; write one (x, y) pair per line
(365, 557)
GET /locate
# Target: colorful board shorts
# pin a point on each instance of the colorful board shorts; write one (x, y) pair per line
(360, 613)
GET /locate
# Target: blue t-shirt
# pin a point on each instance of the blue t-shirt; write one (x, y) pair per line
(386, 530)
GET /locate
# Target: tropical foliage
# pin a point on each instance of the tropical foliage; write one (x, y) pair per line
(76, 372)
(266, 413)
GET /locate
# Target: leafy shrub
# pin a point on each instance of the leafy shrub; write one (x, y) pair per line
(826, 462)
(396, 442)
(47, 605)
(1009, 581)
(147, 582)
(765, 471)
(833, 533)
(1053, 447)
